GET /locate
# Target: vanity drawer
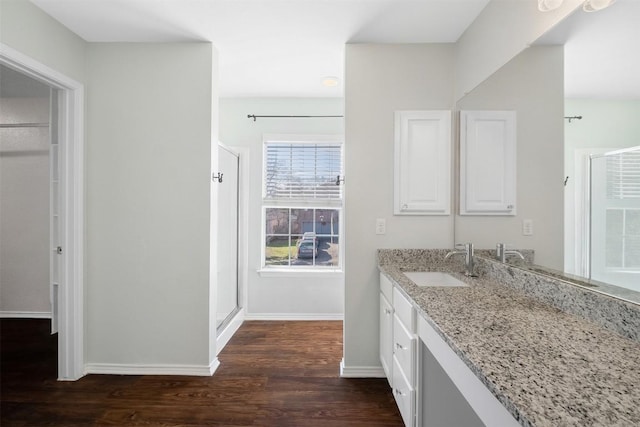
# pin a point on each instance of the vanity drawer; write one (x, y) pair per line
(404, 348)
(386, 287)
(404, 310)
(403, 394)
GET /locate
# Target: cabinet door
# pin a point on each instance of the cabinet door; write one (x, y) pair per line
(386, 337)
(487, 163)
(422, 182)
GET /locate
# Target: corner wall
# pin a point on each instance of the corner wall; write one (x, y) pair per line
(148, 206)
(379, 80)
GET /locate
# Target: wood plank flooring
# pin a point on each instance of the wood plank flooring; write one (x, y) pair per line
(271, 374)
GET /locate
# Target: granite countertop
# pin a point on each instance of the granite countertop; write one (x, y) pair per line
(548, 367)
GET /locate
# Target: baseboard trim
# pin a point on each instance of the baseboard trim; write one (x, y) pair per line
(25, 314)
(122, 369)
(361, 371)
(294, 316)
(223, 338)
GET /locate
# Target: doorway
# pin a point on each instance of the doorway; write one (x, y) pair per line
(65, 244)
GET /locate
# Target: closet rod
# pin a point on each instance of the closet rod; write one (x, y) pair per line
(254, 117)
(24, 125)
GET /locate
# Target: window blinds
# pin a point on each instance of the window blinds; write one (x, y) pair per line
(302, 171)
(623, 176)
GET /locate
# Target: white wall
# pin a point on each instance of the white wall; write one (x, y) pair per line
(24, 209)
(502, 30)
(379, 80)
(27, 29)
(280, 297)
(532, 85)
(605, 125)
(148, 204)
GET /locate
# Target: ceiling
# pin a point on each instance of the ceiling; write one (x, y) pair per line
(270, 47)
(286, 47)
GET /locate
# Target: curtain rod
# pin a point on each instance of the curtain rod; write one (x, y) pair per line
(24, 125)
(254, 117)
(573, 118)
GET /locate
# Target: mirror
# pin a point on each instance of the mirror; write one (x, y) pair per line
(594, 76)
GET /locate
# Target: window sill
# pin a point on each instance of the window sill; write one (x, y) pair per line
(306, 272)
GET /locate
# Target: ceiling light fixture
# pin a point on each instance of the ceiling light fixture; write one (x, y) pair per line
(595, 5)
(330, 81)
(587, 6)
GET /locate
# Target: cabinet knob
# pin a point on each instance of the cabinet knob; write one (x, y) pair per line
(399, 346)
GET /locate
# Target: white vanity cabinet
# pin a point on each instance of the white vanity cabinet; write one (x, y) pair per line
(404, 356)
(398, 347)
(386, 327)
(422, 163)
(431, 384)
(488, 163)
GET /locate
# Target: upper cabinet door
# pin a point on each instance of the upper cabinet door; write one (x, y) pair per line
(487, 163)
(422, 175)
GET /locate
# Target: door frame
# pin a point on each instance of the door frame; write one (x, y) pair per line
(71, 289)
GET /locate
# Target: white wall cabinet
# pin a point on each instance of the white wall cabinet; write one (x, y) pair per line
(422, 163)
(488, 163)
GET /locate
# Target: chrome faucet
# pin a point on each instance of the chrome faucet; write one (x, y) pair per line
(502, 252)
(465, 249)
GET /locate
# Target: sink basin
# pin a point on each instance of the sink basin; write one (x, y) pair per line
(433, 279)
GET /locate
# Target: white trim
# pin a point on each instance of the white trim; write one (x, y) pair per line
(70, 297)
(25, 314)
(306, 137)
(151, 369)
(361, 371)
(294, 316)
(229, 330)
(301, 272)
(578, 229)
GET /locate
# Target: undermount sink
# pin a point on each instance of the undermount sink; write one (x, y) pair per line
(433, 279)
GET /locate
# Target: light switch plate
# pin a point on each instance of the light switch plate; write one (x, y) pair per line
(381, 226)
(527, 227)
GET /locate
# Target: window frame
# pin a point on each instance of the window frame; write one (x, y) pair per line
(270, 203)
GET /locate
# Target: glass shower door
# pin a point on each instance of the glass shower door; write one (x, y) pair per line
(615, 218)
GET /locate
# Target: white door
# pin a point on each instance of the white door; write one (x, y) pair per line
(227, 291)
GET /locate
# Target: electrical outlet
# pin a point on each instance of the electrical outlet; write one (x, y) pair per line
(381, 226)
(527, 227)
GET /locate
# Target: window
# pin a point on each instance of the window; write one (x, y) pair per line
(302, 202)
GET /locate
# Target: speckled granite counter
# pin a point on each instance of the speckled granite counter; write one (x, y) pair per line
(548, 367)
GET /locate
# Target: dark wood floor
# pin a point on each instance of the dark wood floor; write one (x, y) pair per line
(271, 374)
